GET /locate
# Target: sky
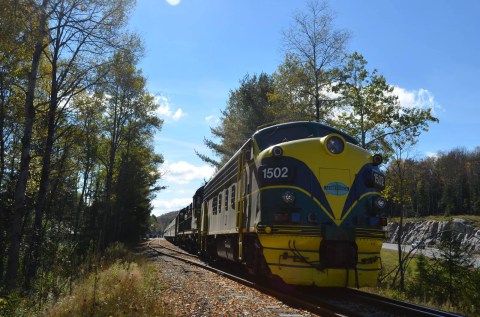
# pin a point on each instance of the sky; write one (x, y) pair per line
(197, 51)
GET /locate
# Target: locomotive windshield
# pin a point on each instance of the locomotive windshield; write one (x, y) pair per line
(295, 131)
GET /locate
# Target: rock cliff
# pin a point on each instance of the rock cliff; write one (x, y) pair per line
(431, 231)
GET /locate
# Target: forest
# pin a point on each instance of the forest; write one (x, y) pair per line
(77, 166)
(446, 184)
(78, 170)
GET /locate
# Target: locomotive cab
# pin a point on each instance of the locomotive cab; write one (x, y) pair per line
(319, 217)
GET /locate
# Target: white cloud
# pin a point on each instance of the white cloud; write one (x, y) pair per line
(165, 109)
(173, 2)
(182, 172)
(171, 204)
(182, 180)
(421, 98)
(178, 114)
(432, 154)
(210, 119)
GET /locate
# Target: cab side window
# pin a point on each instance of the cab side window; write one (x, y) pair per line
(219, 203)
(226, 199)
(232, 198)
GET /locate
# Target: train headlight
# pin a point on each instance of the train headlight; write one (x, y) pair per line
(277, 151)
(335, 144)
(380, 202)
(377, 159)
(288, 197)
(312, 217)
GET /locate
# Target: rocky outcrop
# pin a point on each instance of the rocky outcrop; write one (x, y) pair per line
(431, 232)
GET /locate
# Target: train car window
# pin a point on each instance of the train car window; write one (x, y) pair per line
(198, 206)
(284, 134)
(219, 203)
(232, 198)
(226, 199)
(214, 205)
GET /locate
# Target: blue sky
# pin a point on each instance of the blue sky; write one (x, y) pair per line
(196, 51)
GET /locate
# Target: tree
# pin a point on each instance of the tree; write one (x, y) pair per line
(399, 174)
(137, 175)
(448, 277)
(316, 48)
(453, 175)
(52, 54)
(81, 34)
(248, 108)
(40, 34)
(371, 111)
(291, 99)
(128, 116)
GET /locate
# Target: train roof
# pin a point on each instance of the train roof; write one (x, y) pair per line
(310, 129)
(305, 128)
(199, 191)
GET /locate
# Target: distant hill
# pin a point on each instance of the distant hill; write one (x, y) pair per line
(164, 220)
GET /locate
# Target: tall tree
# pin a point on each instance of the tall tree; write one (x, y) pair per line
(371, 110)
(292, 99)
(399, 179)
(248, 108)
(40, 33)
(453, 167)
(127, 105)
(81, 33)
(137, 175)
(316, 47)
(137, 172)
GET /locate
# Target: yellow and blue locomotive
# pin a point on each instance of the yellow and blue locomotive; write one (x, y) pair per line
(300, 201)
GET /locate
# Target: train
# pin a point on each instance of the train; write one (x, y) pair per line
(300, 202)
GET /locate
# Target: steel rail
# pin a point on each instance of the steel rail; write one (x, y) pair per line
(397, 305)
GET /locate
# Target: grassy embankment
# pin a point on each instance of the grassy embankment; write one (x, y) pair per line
(389, 264)
(121, 284)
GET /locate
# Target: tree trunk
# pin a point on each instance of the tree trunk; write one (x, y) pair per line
(21, 186)
(2, 142)
(3, 216)
(37, 238)
(107, 210)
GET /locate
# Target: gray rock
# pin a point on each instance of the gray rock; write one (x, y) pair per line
(431, 232)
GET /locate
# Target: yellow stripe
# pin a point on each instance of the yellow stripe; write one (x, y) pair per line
(356, 202)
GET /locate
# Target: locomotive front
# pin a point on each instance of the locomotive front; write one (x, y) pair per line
(319, 207)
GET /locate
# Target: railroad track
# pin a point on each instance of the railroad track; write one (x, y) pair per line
(323, 302)
(290, 300)
(351, 301)
(409, 308)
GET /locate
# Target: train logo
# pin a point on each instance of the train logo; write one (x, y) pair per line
(336, 188)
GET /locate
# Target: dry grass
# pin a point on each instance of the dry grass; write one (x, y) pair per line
(122, 289)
